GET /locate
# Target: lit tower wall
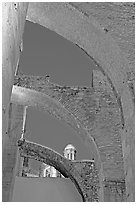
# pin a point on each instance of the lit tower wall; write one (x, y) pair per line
(70, 152)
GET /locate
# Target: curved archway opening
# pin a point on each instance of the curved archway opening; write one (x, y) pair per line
(40, 101)
(73, 84)
(47, 53)
(44, 129)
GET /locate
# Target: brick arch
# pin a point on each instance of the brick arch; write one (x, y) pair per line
(78, 171)
(95, 112)
(41, 101)
(73, 102)
(85, 32)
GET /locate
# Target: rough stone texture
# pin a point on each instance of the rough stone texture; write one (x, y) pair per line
(105, 31)
(89, 173)
(117, 19)
(85, 32)
(42, 102)
(10, 151)
(97, 110)
(29, 97)
(114, 190)
(83, 174)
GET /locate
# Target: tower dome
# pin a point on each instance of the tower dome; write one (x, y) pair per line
(70, 152)
(70, 146)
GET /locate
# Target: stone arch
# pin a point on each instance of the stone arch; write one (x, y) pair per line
(64, 166)
(28, 97)
(85, 32)
(89, 120)
(53, 93)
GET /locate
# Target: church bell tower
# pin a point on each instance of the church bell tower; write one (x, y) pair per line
(70, 152)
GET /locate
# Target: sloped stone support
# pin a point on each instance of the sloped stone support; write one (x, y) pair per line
(82, 173)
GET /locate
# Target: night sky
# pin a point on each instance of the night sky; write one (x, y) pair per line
(46, 52)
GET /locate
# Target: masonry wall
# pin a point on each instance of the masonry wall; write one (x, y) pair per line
(118, 20)
(106, 31)
(13, 20)
(114, 61)
(102, 119)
